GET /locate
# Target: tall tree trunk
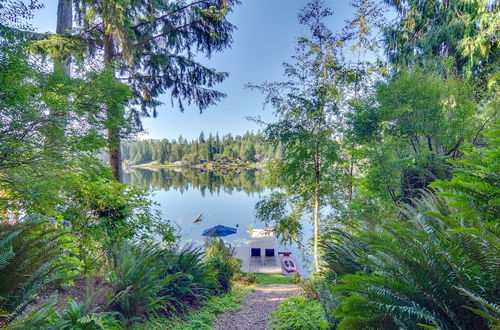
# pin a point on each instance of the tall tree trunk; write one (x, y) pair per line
(351, 189)
(63, 26)
(316, 213)
(114, 122)
(58, 118)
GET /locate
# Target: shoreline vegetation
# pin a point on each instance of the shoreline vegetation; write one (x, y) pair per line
(212, 153)
(210, 166)
(382, 134)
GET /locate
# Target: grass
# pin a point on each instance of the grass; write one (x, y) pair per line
(202, 317)
(264, 279)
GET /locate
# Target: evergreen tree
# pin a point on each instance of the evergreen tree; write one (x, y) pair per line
(150, 44)
(201, 139)
(209, 150)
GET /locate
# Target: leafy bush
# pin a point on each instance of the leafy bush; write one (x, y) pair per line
(436, 267)
(139, 280)
(418, 271)
(197, 281)
(309, 287)
(222, 263)
(296, 313)
(103, 212)
(73, 316)
(33, 254)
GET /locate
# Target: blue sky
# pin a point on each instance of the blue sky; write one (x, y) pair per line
(264, 39)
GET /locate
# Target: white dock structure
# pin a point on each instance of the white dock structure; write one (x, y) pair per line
(260, 239)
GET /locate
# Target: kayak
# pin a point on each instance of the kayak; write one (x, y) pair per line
(288, 264)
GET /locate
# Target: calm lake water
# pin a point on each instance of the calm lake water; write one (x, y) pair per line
(224, 199)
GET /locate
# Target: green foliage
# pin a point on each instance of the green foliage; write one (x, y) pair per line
(147, 278)
(435, 265)
(296, 313)
(221, 263)
(464, 34)
(246, 147)
(197, 282)
(201, 318)
(407, 131)
(309, 286)
(475, 187)
(33, 254)
(149, 35)
(51, 129)
(72, 316)
(438, 266)
(103, 212)
(139, 280)
(415, 269)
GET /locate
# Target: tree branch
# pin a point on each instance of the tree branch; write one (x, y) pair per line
(170, 13)
(165, 33)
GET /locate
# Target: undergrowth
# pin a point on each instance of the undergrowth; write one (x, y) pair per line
(202, 317)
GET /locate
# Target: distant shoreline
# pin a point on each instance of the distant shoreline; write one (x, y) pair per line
(215, 165)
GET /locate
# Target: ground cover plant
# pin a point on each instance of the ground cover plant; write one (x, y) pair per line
(33, 254)
(296, 313)
(203, 317)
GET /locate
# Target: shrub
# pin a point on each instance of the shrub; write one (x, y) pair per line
(222, 263)
(309, 287)
(436, 266)
(138, 277)
(419, 271)
(296, 313)
(196, 283)
(104, 213)
(73, 316)
(33, 254)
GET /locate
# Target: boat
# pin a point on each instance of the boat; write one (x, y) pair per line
(287, 263)
(261, 255)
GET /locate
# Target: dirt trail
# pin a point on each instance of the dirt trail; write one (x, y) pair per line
(256, 309)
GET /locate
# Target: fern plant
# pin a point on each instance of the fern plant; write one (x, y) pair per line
(197, 282)
(436, 266)
(138, 277)
(222, 264)
(32, 255)
(73, 316)
(416, 268)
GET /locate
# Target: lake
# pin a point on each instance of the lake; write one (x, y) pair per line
(227, 198)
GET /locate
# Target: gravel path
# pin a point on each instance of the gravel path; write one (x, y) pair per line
(258, 305)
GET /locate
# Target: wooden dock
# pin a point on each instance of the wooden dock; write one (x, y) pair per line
(263, 239)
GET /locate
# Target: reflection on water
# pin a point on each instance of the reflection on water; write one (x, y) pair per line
(209, 182)
(224, 199)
